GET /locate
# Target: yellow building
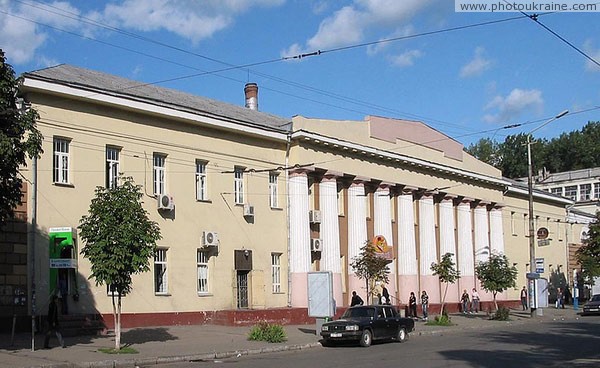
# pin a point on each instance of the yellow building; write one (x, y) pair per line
(249, 203)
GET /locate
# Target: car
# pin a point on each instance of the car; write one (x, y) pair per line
(592, 306)
(367, 323)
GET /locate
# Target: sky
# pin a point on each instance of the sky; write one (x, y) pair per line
(468, 75)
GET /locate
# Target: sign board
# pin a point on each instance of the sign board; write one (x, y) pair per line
(543, 242)
(63, 263)
(539, 265)
(320, 294)
(532, 276)
(382, 248)
(542, 233)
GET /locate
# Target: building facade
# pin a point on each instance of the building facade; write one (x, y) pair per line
(249, 203)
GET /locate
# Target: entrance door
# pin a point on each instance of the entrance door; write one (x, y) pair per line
(242, 289)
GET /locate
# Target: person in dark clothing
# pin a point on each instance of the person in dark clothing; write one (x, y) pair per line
(524, 298)
(385, 296)
(412, 305)
(356, 300)
(53, 323)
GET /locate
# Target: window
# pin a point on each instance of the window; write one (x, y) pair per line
(557, 191)
(202, 267)
(585, 192)
(276, 272)
(238, 189)
(61, 161)
(201, 190)
(273, 191)
(112, 167)
(159, 173)
(571, 192)
(597, 191)
(111, 290)
(512, 224)
(160, 271)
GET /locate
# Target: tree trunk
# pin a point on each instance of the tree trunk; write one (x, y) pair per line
(115, 319)
(444, 300)
(495, 303)
(118, 326)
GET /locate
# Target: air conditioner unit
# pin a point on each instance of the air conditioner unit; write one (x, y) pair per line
(314, 216)
(248, 210)
(316, 244)
(210, 239)
(165, 202)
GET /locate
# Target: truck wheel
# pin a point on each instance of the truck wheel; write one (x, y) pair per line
(366, 339)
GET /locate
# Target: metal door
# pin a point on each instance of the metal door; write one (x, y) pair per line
(242, 289)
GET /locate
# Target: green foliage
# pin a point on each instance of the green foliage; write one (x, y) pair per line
(447, 273)
(588, 255)
(371, 267)
(19, 139)
(502, 314)
(496, 274)
(267, 332)
(119, 237)
(440, 320)
(570, 151)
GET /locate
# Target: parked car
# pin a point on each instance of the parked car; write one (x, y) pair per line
(366, 323)
(592, 306)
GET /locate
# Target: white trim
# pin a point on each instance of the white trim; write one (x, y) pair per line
(130, 103)
(541, 195)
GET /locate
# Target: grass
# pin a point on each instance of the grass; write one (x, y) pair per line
(443, 320)
(267, 332)
(123, 350)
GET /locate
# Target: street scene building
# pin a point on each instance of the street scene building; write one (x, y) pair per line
(249, 203)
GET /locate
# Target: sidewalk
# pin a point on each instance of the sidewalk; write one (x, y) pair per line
(207, 342)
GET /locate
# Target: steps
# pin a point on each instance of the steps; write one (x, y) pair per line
(81, 324)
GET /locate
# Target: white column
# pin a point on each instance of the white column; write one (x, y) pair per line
(448, 243)
(330, 233)
(428, 249)
(466, 264)
(481, 236)
(300, 259)
(383, 226)
(497, 238)
(407, 248)
(357, 235)
(496, 230)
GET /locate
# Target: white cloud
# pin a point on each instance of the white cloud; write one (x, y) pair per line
(349, 24)
(401, 32)
(406, 58)
(594, 53)
(513, 105)
(477, 65)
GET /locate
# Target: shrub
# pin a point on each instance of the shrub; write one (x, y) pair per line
(443, 320)
(502, 314)
(267, 332)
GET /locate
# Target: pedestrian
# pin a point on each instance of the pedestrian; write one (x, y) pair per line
(425, 304)
(559, 299)
(53, 326)
(464, 299)
(385, 296)
(412, 305)
(524, 298)
(356, 300)
(63, 288)
(474, 301)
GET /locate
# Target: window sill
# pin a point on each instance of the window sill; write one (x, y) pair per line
(203, 200)
(66, 185)
(202, 295)
(277, 208)
(162, 294)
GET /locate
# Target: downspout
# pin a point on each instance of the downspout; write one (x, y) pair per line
(31, 244)
(287, 196)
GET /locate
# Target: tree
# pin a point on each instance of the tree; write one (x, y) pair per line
(486, 150)
(371, 267)
(496, 274)
(119, 241)
(447, 273)
(19, 139)
(588, 255)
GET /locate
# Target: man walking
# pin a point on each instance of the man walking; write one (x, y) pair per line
(524, 298)
(53, 323)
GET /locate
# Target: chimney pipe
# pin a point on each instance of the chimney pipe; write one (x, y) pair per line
(251, 92)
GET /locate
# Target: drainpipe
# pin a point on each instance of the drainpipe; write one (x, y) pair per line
(287, 196)
(31, 245)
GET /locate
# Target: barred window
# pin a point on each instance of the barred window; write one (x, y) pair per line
(160, 271)
(202, 267)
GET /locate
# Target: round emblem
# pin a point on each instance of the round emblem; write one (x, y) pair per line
(542, 233)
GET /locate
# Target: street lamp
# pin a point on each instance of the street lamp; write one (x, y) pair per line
(532, 268)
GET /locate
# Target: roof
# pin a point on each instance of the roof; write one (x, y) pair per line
(566, 176)
(107, 84)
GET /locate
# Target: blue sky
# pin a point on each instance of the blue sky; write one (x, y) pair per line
(450, 70)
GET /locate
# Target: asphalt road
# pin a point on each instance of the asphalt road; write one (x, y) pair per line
(574, 343)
